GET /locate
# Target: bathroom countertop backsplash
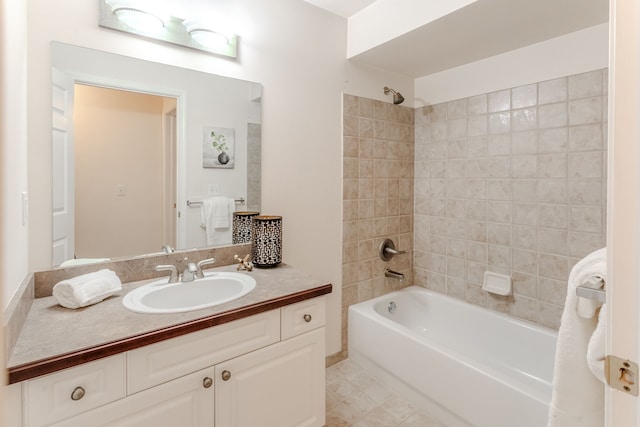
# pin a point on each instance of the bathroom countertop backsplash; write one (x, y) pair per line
(139, 268)
(51, 331)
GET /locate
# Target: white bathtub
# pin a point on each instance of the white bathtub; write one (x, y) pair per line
(466, 365)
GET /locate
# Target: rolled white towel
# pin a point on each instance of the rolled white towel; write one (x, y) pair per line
(82, 261)
(86, 289)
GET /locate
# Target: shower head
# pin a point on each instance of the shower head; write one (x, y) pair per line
(397, 97)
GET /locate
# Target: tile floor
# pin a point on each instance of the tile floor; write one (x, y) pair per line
(356, 399)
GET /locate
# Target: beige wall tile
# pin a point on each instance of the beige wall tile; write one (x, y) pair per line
(524, 96)
(552, 91)
(586, 84)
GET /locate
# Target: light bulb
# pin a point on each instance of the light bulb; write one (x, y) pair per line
(139, 20)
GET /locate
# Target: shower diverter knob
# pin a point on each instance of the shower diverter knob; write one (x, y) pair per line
(388, 250)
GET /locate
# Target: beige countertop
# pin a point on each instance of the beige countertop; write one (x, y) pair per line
(55, 338)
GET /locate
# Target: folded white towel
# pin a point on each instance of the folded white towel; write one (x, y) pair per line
(87, 289)
(215, 218)
(215, 212)
(578, 397)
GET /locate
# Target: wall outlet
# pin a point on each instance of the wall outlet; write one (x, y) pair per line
(121, 190)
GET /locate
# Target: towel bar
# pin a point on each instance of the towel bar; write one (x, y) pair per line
(599, 295)
(190, 203)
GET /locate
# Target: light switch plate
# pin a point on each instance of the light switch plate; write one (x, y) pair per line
(215, 189)
(25, 207)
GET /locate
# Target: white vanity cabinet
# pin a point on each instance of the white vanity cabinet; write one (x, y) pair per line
(262, 370)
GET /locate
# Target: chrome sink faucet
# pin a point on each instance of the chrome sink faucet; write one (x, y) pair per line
(190, 273)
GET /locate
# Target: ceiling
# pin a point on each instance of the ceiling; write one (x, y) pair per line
(482, 29)
(344, 8)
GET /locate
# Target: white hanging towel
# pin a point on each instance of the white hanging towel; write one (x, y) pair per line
(215, 218)
(578, 395)
(595, 350)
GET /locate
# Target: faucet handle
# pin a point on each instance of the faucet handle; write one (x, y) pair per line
(202, 263)
(173, 278)
(388, 249)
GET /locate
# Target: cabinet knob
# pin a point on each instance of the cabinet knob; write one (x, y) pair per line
(77, 393)
(226, 375)
(207, 382)
(307, 318)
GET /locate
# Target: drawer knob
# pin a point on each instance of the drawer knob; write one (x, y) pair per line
(77, 393)
(207, 382)
(307, 318)
(226, 375)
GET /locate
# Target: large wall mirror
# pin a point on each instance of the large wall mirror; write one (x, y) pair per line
(138, 145)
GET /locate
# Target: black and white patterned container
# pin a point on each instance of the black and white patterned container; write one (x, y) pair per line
(266, 250)
(242, 225)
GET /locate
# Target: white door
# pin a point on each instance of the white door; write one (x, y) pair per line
(624, 199)
(63, 175)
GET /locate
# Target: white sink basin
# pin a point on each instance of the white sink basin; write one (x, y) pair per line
(214, 289)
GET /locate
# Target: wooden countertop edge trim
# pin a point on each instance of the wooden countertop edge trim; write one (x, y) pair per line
(68, 360)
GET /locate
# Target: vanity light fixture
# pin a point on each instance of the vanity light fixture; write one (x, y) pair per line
(141, 16)
(153, 19)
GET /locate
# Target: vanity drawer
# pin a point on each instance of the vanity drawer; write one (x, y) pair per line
(70, 392)
(302, 317)
(166, 360)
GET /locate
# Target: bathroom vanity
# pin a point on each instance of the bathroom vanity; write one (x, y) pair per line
(256, 361)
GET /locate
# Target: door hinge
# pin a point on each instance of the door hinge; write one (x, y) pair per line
(621, 374)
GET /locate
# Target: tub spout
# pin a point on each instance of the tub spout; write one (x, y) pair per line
(394, 274)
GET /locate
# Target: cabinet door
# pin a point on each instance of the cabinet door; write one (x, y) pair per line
(184, 402)
(70, 392)
(277, 386)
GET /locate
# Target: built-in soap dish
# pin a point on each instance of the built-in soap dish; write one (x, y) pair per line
(497, 283)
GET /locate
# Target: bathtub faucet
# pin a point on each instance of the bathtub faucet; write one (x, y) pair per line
(394, 274)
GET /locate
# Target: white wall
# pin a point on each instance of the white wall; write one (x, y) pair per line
(574, 53)
(298, 53)
(385, 20)
(13, 169)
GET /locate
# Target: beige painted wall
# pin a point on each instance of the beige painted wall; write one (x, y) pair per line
(13, 172)
(118, 145)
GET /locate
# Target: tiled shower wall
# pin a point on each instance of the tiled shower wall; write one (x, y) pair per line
(378, 189)
(513, 182)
